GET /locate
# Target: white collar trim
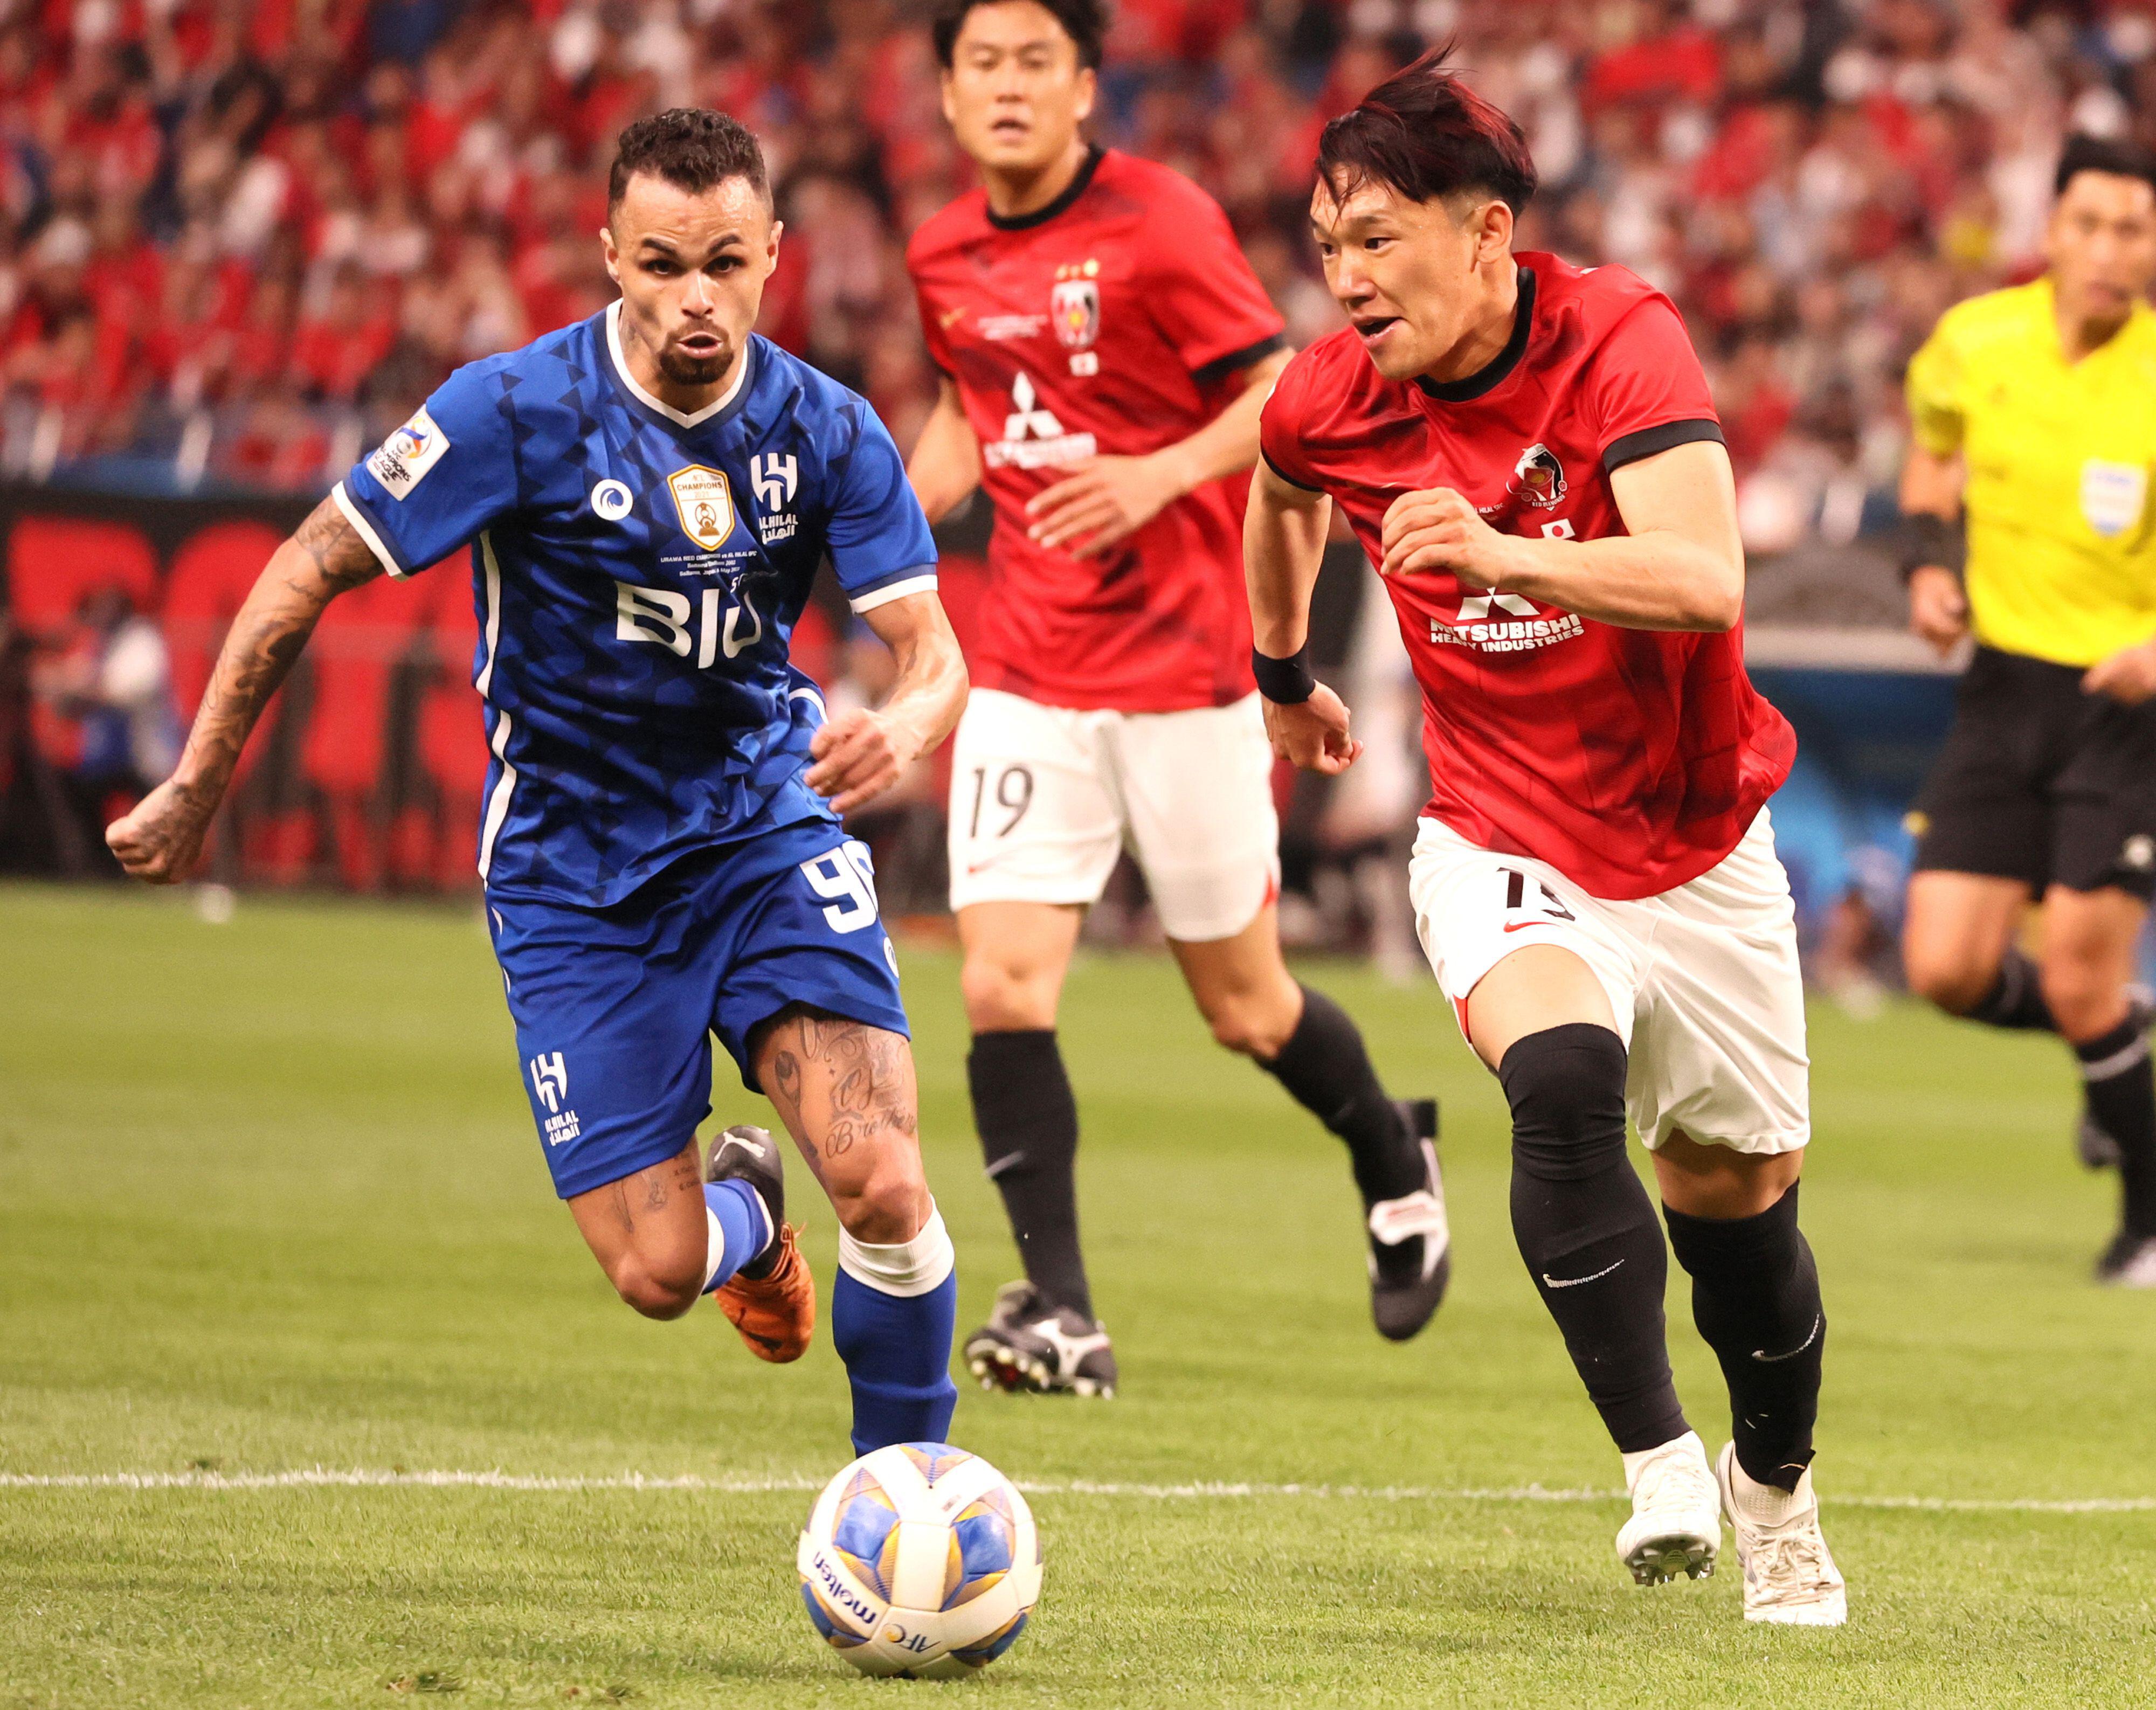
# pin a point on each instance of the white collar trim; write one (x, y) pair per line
(644, 397)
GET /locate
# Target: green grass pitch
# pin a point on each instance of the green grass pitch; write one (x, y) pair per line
(269, 1200)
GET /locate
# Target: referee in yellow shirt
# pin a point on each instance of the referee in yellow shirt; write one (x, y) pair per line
(2033, 418)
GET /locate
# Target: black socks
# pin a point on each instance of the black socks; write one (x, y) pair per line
(1326, 1071)
(2016, 998)
(1586, 1226)
(2121, 1092)
(1027, 1121)
(1755, 1296)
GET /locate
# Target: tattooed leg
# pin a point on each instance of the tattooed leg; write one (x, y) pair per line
(651, 1234)
(846, 1093)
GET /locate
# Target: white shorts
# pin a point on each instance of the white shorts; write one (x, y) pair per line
(1043, 799)
(1702, 979)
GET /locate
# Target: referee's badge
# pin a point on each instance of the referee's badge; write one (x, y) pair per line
(2112, 495)
(705, 503)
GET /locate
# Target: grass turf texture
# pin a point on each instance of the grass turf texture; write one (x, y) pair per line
(269, 1199)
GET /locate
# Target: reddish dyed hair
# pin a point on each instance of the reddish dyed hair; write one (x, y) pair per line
(1424, 133)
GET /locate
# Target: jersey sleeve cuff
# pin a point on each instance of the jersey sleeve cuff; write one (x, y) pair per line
(366, 531)
(1284, 475)
(917, 581)
(1652, 442)
(1219, 368)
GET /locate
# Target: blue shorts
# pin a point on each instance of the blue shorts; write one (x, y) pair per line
(615, 1006)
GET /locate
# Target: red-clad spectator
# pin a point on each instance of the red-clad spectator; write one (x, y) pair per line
(334, 350)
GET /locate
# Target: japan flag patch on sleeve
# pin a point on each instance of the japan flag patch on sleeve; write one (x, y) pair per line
(404, 458)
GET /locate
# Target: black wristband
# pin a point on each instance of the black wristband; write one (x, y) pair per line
(1927, 539)
(1286, 682)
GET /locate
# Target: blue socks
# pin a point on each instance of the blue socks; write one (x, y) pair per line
(894, 1311)
(741, 1227)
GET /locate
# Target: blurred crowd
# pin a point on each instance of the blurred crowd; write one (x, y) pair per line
(240, 238)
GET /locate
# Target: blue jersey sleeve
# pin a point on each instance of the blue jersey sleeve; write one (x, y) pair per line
(878, 538)
(439, 480)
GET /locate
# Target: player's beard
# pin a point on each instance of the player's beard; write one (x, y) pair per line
(683, 369)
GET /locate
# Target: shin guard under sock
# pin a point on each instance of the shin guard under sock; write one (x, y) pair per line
(1326, 1071)
(894, 1309)
(1027, 1121)
(2117, 1083)
(1587, 1228)
(1755, 1296)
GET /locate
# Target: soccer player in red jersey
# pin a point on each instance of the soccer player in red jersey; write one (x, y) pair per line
(1528, 452)
(1105, 347)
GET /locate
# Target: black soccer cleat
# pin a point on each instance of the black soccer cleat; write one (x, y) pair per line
(1028, 1345)
(749, 1153)
(2128, 1262)
(1410, 1242)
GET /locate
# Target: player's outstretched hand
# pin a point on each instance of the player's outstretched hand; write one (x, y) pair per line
(1101, 500)
(2127, 676)
(1313, 733)
(1436, 529)
(162, 838)
(858, 755)
(1938, 609)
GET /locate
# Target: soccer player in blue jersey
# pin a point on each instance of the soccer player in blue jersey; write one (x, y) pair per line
(647, 495)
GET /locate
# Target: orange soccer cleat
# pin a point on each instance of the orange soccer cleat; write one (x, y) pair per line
(772, 1299)
(776, 1314)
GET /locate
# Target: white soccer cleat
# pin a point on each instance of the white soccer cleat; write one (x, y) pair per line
(1789, 1575)
(1675, 1526)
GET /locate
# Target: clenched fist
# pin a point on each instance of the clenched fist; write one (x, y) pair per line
(160, 840)
(1938, 609)
(858, 755)
(1436, 529)
(1312, 734)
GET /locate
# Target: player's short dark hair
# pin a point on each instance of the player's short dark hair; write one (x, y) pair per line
(1085, 22)
(2114, 155)
(691, 148)
(1424, 133)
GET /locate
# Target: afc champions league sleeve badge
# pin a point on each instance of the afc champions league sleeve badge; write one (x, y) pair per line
(705, 503)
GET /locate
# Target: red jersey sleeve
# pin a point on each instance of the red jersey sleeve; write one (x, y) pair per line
(1279, 423)
(932, 330)
(1645, 391)
(1203, 297)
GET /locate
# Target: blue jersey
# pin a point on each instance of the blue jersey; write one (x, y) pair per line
(638, 573)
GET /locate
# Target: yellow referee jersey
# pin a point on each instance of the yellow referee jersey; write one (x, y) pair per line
(2061, 564)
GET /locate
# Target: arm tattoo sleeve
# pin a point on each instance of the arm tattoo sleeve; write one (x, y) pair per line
(326, 557)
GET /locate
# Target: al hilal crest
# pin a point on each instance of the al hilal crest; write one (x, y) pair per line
(1073, 306)
(705, 504)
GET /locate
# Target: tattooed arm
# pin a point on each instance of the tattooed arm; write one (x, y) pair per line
(161, 840)
(860, 754)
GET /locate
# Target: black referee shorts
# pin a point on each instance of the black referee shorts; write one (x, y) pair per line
(2042, 783)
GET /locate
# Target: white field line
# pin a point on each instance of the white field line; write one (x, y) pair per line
(368, 1478)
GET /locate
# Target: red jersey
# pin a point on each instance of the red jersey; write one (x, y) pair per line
(1630, 760)
(1110, 321)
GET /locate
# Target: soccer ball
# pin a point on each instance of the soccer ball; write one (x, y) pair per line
(919, 1560)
